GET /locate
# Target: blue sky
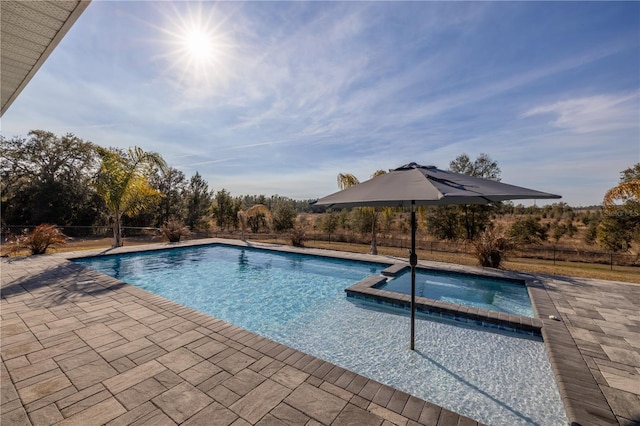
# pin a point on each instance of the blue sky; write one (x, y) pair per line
(290, 94)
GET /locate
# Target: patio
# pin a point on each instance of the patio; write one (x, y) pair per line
(82, 348)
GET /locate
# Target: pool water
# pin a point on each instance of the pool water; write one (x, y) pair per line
(299, 300)
(465, 289)
(253, 289)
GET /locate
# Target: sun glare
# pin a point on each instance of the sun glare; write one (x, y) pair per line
(199, 44)
(197, 47)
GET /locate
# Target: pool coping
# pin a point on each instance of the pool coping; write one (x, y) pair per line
(296, 386)
(579, 388)
(581, 396)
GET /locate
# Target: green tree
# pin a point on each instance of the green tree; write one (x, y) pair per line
(361, 221)
(45, 178)
(591, 233)
(571, 228)
(172, 184)
(329, 223)
(558, 230)
(364, 216)
(283, 214)
(199, 200)
(258, 220)
(483, 166)
(527, 231)
(613, 235)
(123, 183)
(443, 222)
(475, 217)
(621, 223)
(343, 219)
(225, 209)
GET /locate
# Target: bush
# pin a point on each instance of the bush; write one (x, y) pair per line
(528, 231)
(173, 230)
(39, 239)
(298, 236)
(491, 248)
(283, 215)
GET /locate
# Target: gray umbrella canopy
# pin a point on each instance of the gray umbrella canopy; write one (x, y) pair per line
(427, 185)
(412, 185)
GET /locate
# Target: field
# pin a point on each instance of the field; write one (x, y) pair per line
(574, 269)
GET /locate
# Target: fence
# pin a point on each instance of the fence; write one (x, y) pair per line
(553, 253)
(85, 231)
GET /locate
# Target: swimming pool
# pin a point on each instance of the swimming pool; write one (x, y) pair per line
(476, 291)
(299, 300)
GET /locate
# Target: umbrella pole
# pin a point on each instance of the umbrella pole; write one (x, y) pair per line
(413, 261)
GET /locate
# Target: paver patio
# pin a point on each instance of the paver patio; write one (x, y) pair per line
(82, 348)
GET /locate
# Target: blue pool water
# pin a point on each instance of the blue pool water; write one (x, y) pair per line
(299, 300)
(465, 289)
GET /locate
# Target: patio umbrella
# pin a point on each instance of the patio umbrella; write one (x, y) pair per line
(412, 185)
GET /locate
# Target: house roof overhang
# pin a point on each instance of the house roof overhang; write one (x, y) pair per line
(30, 31)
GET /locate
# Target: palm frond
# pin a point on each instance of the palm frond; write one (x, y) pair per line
(345, 180)
(624, 191)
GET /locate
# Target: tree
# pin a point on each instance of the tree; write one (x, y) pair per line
(367, 216)
(45, 178)
(558, 230)
(483, 166)
(258, 220)
(199, 200)
(466, 221)
(123, 183)
(628, 191)
(329, 222)
(621, 223)
(528, 231)
(443, 222)
(613, 235)
(475, 217)
(591, 233)
(255, 211)
(172, 184)
(225, 209)
(283, 214)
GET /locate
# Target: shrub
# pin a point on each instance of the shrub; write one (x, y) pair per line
(298, 235)
(39, 239)
(173, 230)
(283, 214)
(491, 248)
(528, 231)
(591, 233)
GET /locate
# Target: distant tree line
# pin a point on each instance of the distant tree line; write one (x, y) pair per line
(67, 181)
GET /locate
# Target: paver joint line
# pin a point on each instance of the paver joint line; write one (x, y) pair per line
(109, 338)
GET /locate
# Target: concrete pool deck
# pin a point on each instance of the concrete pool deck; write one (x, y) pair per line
(82, 348)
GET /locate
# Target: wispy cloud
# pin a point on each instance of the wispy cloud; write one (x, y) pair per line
(304, 90)
(594, 113)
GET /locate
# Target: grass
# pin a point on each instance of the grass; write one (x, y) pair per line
(83, 244)
(573, 269)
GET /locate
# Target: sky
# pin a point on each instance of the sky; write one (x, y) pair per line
(279, 97)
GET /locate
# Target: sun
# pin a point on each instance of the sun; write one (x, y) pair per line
(199, 44)
(196, 47)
